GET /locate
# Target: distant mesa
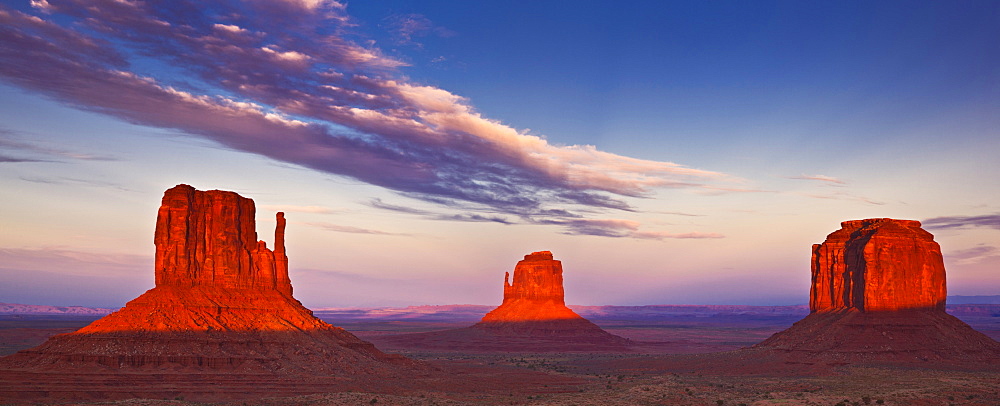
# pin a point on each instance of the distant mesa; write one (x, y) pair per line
(878, 295)
(877, 265)
(532, 317)
(222, 304)
(877, 298)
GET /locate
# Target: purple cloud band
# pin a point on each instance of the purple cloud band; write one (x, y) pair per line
(281, 79)
(987, 221)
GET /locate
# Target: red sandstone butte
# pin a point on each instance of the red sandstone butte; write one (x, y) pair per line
(877, 265)
(877, 297)
(222, 304)
(536, 294)
(532, 318)
(534, 308)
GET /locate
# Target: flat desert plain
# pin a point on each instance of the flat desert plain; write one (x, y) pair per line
(626, 378)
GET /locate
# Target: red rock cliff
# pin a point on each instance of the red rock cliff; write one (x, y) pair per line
(536, 292)
(210, 239)
(877, 265)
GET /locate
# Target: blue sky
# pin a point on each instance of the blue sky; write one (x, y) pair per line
(667, 152)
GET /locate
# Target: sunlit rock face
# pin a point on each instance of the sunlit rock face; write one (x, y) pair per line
(212, 274)
(210, 239)
(877, 265)
(222, 303)
(536, 292)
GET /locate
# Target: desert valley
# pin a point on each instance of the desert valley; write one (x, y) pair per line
(517, 202)
(222, 326)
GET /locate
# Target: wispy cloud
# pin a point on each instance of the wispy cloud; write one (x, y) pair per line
(947, 222)
(379, 204)
(353, 230)
(301, 209)
(463, 217)
(719, 190)
(408, 28)
(682, 236)
(678, 213)
(844, 196)
(975, 254)
(14, 159)
(75, 181)
(618, 228)
(281, 80)
(821, 178)
(9, 141)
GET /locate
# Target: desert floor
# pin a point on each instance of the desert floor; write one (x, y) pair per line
(605, 379)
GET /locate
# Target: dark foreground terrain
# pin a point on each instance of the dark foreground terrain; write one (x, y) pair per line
(636, 377)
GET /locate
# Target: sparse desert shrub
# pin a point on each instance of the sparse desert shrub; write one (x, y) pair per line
(720, 402)
(879, 401)
(866, 399)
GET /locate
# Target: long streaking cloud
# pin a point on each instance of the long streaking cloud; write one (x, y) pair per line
(351, 229)
(12, 141)
(463, 217)
(619, 228)
(986, 220)
(282, 79)
(822, 178)
(979, 253)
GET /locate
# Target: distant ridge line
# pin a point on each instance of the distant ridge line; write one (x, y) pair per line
(14, 308)
(476, 311)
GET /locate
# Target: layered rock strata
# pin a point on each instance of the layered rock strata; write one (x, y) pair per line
(222, 304)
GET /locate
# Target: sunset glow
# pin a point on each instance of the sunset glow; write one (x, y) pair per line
(677, 153)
